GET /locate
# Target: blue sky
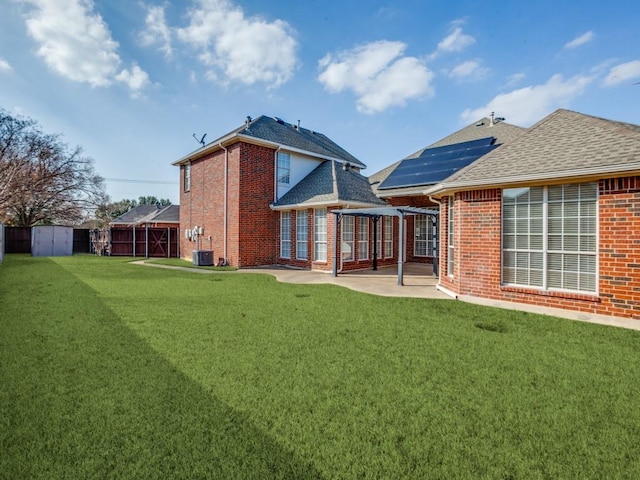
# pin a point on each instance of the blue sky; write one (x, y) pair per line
(132, 81)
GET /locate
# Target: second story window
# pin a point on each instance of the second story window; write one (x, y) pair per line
(284, 168)
(187, 177)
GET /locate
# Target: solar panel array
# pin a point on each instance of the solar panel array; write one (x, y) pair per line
(435, 164)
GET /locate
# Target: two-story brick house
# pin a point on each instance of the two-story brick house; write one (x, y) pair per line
(263, 194)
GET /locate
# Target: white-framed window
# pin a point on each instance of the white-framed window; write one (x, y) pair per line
(450, 236)
(423, 245)
(363, 238)
(285, 234)
(378, 238)
(348, 234)
(284, 168)
(388, 237)
(302, 248)
(187, 177)
(549, 237)
(320, 234)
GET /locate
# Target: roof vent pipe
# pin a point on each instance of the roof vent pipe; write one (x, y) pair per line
(247, 121)
(346, 166)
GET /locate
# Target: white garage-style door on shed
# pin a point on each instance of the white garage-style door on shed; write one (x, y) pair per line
(51, 241)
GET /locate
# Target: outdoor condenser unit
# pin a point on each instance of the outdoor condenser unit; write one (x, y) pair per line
(203, 258)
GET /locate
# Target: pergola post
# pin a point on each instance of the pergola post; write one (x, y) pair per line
(336, 217)
(401, 250)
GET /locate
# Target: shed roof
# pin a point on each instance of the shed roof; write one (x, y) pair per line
(565, 144)
(149, 214)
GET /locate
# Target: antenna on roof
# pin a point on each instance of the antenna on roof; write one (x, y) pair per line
(495, 119)
(201, 141)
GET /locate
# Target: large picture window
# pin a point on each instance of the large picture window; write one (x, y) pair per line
(285, 234)
(301, 235)
(320, 235)
(549, 237)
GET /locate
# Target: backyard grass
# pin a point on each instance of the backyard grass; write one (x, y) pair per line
(114, 370)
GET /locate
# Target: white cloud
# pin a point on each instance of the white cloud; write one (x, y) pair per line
(456, 41)
(580, 40)
(136, 79)
(515, 79)
(4, 66)
(74, 40)
(157, 32)
(378, 74)
(242, 49)
(625, 72)
(527, 105)
(471, 69)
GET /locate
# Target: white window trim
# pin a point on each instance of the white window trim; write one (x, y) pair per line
(317, 214)
(363, 222)
(388, 225)
(302, 241)
(348, 220)
(285, 234)
(545, 251)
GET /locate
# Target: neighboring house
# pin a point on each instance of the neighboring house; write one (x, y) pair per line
(146, 230)
(551, 218)
(263, 194)
(404, 182)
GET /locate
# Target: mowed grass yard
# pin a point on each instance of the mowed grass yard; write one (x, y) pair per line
(113, 370)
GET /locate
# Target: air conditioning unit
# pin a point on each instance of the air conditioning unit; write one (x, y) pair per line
(202, 258)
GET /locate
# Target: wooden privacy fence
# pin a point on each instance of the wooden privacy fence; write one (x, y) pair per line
(144, 242)
(130, 242)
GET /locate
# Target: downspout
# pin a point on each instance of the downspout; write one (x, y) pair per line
(436, 260)
(226, 187)
(275, 175)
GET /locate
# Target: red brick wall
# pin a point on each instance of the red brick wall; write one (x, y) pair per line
(478, 252)
(251, 224)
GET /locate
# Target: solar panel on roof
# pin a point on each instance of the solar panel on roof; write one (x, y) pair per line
(435, 164)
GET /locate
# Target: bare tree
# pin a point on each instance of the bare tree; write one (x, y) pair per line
(42, 179)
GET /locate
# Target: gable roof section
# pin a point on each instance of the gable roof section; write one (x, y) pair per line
(276, 132)
(502, 132)
(149, 214)
(329, 184)
(565, 144)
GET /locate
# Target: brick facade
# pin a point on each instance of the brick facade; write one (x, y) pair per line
(477, 247)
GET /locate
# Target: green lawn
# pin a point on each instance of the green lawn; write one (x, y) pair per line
(113, 370)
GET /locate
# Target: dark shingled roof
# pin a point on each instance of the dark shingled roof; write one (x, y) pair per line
(149, 214)
(277, 131)
(563, 144)
(330, 183)
(503, 133)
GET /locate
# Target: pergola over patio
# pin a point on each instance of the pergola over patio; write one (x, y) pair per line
(375, 213)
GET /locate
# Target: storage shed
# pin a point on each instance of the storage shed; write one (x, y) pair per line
(51, 241)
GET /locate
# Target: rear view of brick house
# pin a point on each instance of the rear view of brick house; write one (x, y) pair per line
(231, 190)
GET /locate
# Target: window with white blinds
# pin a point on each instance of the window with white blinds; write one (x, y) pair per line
(302, 226)
(549, 237)
(320, 234)
(388, 237)
(348, 235)
(285, 234)
(363, 238)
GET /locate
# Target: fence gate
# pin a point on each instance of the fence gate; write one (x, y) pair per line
(144, 242)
